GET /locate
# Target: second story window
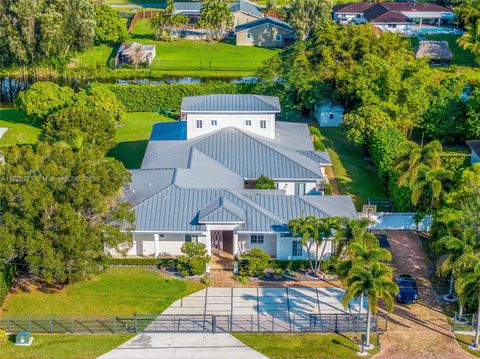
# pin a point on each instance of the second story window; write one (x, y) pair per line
(214, 122)
(249, 35)
(263, 124)
(248, 122)
(199, 124)
(256, 238)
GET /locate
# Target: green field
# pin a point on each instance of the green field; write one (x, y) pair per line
(117, 291)
(96, 55)
(21, 129)
(354, 175)
(201, 55)
(305, 346)
(64, 346)
(132, 137)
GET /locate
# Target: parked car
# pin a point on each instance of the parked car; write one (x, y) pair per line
(408, 293)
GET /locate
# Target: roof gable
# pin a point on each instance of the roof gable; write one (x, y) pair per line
(270, 21)
(221, 210)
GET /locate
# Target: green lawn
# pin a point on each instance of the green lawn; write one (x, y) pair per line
(132, 137)
(354, 175)
(305, 346)
(118, 291)
(201, 55)
(64, 346)
(21, 129)
(96, 55)
(465, 341)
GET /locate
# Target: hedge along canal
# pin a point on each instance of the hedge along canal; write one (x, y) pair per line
(10, 86)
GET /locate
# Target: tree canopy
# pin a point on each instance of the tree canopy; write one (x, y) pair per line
(308, 17)
(166, 21)
(109, 26)
(215, 18)
(44, 31)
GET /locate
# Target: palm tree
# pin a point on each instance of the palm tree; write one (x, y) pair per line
(470, 40)
(313, 233)
(375, 281)
(166, 21)
(413, 156)
(467, 285)
(429, 180)
(454, 248)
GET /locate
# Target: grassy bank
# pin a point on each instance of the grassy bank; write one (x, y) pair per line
(117, 291)
(21, 129)
(64, 346)
(305, 346)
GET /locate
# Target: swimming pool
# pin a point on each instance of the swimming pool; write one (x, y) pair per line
(438, 30)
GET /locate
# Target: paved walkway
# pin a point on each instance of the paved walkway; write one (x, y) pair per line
(420, 330)
(280, 302)
(183, 346)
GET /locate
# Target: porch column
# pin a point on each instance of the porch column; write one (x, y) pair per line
(156, 239)
(208, 246)
(235, 243)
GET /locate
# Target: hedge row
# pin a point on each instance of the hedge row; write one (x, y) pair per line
(7, 275)
(147, 262)
(148, 98)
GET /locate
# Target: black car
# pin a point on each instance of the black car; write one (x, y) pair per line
(408, 293)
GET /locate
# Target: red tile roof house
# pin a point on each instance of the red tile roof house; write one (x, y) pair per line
(399, 17)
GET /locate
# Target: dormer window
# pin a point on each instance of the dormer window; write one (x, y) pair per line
(199, 124)
(263, 124)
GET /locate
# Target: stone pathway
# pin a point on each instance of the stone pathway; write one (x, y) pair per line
(420, 330)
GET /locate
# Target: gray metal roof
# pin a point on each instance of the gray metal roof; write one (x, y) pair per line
(288, 156)
(221, 210)
(238, 103)
(264, 21)
(177, 209)
(246, 7)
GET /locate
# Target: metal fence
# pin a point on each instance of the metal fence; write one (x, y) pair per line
(464, 323)
(258, 323)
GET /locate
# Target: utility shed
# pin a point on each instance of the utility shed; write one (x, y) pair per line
(329, 114)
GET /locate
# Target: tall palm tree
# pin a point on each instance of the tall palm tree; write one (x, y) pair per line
(467, 285)
(375, 281)
(454, 248)
(470, 40)
(413, 156)
(166, 21)
(313, 233)
(429, 180)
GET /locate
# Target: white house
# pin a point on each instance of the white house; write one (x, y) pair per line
(329, 114)
(475, 147)
(399, 17)
(196, 183)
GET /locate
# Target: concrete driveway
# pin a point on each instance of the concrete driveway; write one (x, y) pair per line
(183, 346)
(420, 330)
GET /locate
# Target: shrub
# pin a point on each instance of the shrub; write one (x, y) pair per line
(3, 338)
(289, 265)
(148, 98)
(148, 262)
(241, 278)
(7, 275)
(328, 189)
(195, 260)
(254, 262)
(317, 139)
(264, 182)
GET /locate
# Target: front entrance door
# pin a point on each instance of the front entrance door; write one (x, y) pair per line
(217, 239)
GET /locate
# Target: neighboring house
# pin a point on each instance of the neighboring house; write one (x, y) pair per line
(198, 186)
(437, 51)
(264, 32)
(475, 147)
(127, 52)
(329, 114)
(394, 16)
(243, 11)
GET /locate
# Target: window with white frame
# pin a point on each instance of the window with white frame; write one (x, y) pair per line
(256, 239)
(249, 35)
(161, 236)
(300, 189)
(297, 250)
(191, 238)
(248, 122)
(263, 124)
(392, 25)
(213, 122)
(278, 37)
(199, 124)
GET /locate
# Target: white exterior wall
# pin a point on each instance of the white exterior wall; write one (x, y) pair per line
(350, 18)
(269, 245)
(289, 187)
(236, 120)
(284, 249)
(427, 14)
(400, 28)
